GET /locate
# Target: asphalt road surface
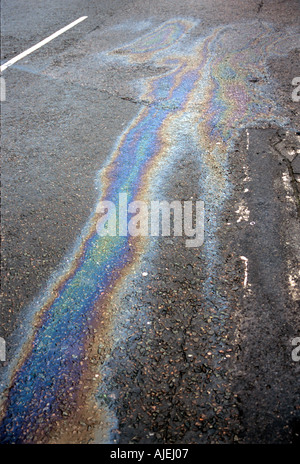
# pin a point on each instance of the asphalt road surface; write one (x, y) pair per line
(129, 334)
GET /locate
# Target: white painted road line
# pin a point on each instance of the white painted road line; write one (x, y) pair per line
(40, 44)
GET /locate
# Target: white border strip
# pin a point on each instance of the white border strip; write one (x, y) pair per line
(40, 44)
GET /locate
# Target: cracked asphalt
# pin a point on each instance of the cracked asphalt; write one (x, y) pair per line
(195, 344)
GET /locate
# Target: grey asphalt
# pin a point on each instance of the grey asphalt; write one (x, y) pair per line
(66, 106)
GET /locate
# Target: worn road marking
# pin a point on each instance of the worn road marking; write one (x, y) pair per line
(243, 258)
(40, 44)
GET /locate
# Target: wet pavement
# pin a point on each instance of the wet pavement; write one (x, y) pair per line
(141, 339)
